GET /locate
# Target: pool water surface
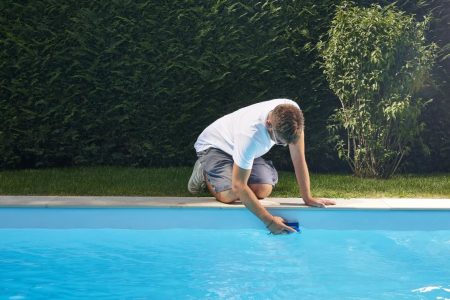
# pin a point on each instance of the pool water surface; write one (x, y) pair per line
(74, 263)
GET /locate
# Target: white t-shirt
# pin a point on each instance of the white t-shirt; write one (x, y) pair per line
(242, 134)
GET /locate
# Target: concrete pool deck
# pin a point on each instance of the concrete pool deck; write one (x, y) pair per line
(296, 203)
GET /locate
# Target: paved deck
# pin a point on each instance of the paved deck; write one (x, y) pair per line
(297, 203)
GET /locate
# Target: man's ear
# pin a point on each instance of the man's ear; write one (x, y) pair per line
(269, 122)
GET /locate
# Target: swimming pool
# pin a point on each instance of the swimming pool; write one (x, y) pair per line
(209, 253)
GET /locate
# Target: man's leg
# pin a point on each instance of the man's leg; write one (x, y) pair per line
(263, 178)
(228, 196)
(261, 190)
(218, 167)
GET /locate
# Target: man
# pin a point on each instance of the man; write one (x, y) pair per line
(229, 157)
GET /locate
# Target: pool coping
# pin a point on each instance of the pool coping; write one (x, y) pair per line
(209, 202)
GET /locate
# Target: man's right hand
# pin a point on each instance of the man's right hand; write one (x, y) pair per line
(277, 226)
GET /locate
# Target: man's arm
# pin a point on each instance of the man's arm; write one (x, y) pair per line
(297, 151)
(239, 184)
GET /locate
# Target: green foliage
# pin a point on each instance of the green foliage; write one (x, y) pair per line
(434, 153)
(375, 60)
(134, 82)
(436, 115)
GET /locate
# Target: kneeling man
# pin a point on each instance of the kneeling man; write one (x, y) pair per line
(229, 154)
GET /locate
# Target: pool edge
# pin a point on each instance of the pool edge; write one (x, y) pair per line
(209, 202)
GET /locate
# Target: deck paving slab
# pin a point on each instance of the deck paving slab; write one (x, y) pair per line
(126, 201)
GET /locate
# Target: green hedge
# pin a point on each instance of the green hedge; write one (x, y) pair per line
(135, 82)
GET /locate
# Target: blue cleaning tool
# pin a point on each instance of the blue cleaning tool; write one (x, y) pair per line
(293, 224)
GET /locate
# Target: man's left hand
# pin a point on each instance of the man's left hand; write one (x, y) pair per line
(319, 202)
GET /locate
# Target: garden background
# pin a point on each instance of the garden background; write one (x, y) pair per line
(134, 82)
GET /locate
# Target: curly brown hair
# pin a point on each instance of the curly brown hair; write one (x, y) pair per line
(288, 122)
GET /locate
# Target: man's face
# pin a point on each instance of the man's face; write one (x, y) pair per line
(277, 139)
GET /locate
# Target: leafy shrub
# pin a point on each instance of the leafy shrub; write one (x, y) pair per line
(375, 59)
(433, 153)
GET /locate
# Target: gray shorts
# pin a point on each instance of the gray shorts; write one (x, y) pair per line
(218, 167)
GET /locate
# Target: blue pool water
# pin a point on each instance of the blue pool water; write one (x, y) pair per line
(223, 264)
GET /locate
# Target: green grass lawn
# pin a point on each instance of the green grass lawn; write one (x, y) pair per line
(122, 181)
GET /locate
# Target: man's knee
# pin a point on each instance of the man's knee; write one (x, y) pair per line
(227, 196)
(261, 190)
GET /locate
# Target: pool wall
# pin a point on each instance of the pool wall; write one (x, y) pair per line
(218, 218)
